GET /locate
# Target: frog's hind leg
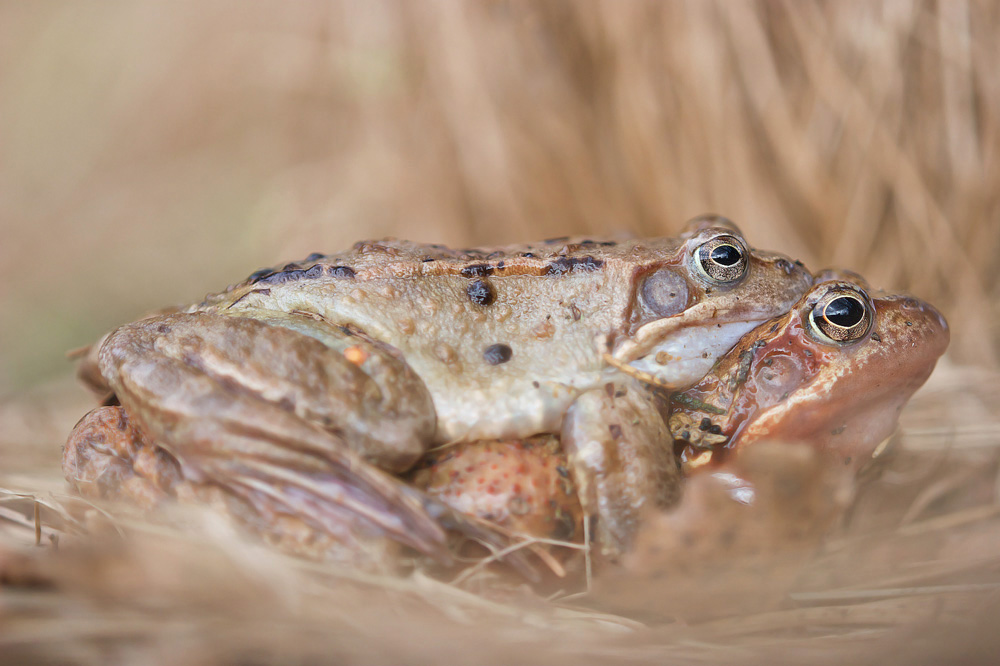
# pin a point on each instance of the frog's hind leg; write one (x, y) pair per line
(230, 400)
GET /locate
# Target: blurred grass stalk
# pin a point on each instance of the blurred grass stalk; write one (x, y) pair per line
(150, 152)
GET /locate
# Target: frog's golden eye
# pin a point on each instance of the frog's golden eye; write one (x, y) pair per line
(723, 259)
(841, 316)
(665, 293)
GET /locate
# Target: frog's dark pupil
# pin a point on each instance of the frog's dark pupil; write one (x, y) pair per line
(844, 311)
(726, 255)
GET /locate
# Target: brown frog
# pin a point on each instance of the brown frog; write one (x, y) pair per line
(295, 391)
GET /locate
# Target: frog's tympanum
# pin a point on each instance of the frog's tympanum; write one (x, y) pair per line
(835, 372)
(299, 390)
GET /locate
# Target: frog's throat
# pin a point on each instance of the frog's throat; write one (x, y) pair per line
(675, 353)
(704, 316)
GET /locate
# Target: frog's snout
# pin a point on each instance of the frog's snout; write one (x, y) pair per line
(931, 321)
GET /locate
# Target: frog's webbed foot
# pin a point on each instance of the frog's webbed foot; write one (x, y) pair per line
(622, 460)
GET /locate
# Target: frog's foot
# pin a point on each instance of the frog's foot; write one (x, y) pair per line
(106, 457)
(622, 460)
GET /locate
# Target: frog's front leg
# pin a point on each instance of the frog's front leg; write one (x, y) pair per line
(622, 460)
(274, 415)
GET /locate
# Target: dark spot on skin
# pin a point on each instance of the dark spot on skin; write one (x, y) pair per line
(686, 435)
(497, 354)
(340, 272)
(500, 265)
(426, 259)
(480, 292)
(705, 424)
(715, 429)
(565, 265)
(476, 270)
(262, 292)
(774, 328)
(560, 239)
(837, 431)
(536, 384)
(876, 337)
(162, 329)
(609, 388)
(284, 275)
(909, 323)
(575, 311)
(528, 255)
(620, 393)
(847, 460)
(615, 430)
(562, 471)
(315, 256)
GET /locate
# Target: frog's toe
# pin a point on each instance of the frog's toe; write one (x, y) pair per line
(107, 457)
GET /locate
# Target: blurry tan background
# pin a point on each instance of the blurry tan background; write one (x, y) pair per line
(153, 151)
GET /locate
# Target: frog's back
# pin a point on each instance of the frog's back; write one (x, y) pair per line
(498, 334)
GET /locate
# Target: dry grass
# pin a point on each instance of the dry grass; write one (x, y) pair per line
(150, 152)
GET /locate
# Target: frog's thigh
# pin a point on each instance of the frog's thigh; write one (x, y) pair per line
(322, 373)
(621, 457)
(234, 439)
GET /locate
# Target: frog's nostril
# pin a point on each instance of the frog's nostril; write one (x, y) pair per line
(785, 265)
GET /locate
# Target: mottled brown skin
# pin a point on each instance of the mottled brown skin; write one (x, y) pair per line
(786, 382)
(522, 485)
(300, 389)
